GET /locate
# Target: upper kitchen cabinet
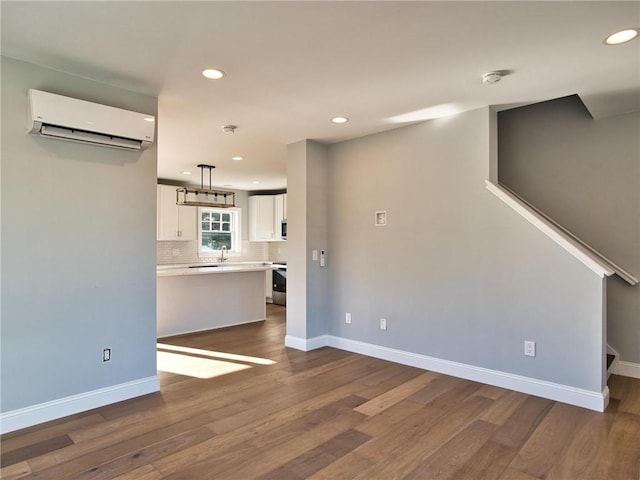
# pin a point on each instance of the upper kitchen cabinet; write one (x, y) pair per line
(266, 213)
(280, 210)
(174, 222)
(261, 218)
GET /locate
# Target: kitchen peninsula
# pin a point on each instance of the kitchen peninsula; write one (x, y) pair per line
(194, 298)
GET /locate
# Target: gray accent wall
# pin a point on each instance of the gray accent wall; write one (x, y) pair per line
(457, 274)
(307, 283)
(585, 174)
(297, 240)
(78, 250)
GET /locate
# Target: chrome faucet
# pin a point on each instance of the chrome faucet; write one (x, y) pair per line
(222, 250)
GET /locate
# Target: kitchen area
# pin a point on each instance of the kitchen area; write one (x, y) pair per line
(218, 267)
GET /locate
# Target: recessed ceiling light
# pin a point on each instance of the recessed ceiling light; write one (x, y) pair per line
(149, 119)
(339, 119)
(237, 158)
(255, 182)
(213, 73)
(623, 36)
(186, 172)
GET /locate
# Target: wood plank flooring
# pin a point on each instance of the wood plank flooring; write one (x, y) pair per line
(283, 414)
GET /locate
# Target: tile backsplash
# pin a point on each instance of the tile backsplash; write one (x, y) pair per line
(277, 251)
(187, 252)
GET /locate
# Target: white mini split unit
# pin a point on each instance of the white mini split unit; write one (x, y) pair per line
(65, 118)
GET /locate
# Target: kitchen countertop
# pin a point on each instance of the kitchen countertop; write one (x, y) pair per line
(232, 267)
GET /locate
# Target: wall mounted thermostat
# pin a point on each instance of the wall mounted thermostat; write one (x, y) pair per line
(381, 219)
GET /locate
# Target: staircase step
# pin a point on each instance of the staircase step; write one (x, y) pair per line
(610, 359)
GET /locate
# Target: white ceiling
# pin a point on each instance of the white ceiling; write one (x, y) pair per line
(291, 66)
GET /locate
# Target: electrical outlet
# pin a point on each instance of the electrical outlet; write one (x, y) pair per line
(529, 348)
(106, 354)
(383, 324)
(347, 318)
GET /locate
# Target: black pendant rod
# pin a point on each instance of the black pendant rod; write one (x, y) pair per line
(202, 166)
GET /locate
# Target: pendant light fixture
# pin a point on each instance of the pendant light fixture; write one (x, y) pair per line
(205, 197)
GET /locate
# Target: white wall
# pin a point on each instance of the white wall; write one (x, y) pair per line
(78, 250)
(458, 275)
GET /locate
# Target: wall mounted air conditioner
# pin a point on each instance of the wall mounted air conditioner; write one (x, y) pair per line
(66, 118)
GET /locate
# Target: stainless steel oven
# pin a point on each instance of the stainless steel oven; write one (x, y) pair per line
(279, 283)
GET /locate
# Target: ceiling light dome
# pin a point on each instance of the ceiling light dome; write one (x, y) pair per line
(213, 73)
(622, 36)
(339, 119)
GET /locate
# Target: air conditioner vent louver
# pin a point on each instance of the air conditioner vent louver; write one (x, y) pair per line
(87, 137)
(66, 118)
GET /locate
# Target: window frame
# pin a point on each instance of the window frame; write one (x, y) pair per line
(236, 234)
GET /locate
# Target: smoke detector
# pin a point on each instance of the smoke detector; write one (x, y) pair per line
(229, 129)
(491, 77)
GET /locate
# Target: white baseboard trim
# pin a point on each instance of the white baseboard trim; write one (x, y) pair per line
(217, 327)
(562, 393)
(626, 369)
(306, 344)
(43, 412)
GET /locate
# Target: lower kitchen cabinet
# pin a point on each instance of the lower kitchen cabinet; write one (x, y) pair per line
(185, 298)
(268, 286)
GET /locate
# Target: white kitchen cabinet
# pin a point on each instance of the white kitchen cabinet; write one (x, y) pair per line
(268, 286)
(184, 300)
(266, 213)
(174, 222)
(280, 212)
(261, 224)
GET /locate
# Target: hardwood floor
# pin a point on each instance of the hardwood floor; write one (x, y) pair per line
(283, 414)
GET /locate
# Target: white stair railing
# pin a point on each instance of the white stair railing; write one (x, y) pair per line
(572, 244)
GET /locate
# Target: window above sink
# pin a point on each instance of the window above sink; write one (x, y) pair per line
(219, 228)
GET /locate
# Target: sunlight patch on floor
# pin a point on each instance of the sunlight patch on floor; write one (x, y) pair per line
(198, 367)
(199, 363)
(214, 354)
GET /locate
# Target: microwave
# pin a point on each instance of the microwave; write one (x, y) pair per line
(283, 229)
